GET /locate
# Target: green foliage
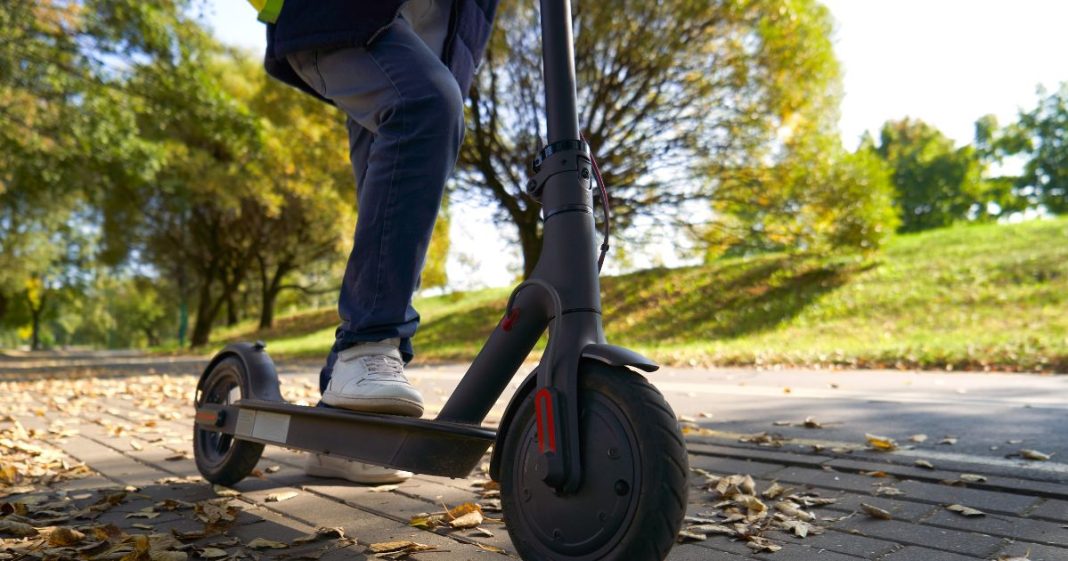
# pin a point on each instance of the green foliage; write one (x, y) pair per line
(936, 183)
(1040, 136)
(675, 96)
(817, 198)
(977, 296)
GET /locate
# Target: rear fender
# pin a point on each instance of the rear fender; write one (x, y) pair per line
(263, 381)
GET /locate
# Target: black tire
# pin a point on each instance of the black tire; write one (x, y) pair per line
(221, 458)
(627, 428)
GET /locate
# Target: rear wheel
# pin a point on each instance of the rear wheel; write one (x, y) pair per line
(632, 498)
(221, 458)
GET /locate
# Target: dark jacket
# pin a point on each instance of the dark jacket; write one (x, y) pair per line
(321, 24)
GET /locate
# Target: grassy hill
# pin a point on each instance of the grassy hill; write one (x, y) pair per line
(972, 297)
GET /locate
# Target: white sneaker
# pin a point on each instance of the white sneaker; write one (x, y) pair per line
(321, 465)
(369, 377)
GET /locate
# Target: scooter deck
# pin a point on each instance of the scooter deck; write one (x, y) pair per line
(417, 445)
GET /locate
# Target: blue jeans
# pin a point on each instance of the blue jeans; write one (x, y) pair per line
(406, 125)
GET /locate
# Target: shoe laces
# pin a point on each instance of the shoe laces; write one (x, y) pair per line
(383, 367)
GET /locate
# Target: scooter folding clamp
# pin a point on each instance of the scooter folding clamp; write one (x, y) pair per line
(560, 157)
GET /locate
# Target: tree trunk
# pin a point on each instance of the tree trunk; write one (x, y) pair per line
(270, 295)
(231, 310)
(35, 338)
(205, 317)
(529, 242)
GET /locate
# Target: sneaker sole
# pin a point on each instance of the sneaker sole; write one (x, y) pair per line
(384, 405)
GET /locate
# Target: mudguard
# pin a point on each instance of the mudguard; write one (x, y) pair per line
(262, 376)
(603, 352)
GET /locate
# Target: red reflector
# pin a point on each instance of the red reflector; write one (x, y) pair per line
(207, 417)
(510, 319)
(543, 406)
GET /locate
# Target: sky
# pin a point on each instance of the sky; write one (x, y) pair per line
(947, 62)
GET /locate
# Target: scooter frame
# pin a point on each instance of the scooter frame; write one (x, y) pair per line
(562, 294)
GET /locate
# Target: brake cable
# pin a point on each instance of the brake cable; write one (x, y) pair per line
(604, 205)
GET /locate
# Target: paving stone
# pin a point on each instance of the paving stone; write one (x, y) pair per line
(1005, 526)
(849, 544)
(913, 553)
(991, 501)
(963, 543)
(828, 479)
(992, 483)
(116, 466)
(900, 509)
(709, 448)
(1034, 552)
(1052, 509)
(692, 552)
(730, 466)
(798, 552)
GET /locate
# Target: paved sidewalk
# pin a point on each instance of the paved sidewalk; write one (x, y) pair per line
(133, 432)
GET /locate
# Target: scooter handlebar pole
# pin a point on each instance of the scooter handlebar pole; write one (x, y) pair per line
(558, 60)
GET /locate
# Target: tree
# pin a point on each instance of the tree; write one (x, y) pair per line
(937, 183)
(817, 198)
(674, 96)
(1040, 136)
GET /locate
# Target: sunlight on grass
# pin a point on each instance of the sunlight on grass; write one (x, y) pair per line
(975, 297)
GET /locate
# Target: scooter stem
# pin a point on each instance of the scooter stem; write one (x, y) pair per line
(558, 63)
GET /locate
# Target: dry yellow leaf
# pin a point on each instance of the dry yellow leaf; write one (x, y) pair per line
(881, 443)
(263, 543)
(876, 512)
(279, 497)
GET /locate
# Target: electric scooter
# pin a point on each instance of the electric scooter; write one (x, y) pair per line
(589, 456)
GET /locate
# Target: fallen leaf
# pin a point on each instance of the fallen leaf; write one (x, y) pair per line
(972, 478)
(263, 543)
(881, 443)
(469, 520)
(64, 537)
(759, 544)
(272, 469)
(225, 491)
(812, 423)
(482, 533)
(1035, 455)
(406, 546)
(965, 511)
(773, 491)
(949, 440)
(213, 553)
(924, 464)
(490, 548)
(887, 491)
(279, 497)
(685, 536)
(918, 438)
(876, 512)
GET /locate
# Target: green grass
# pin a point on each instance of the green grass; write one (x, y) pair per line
(986, 297)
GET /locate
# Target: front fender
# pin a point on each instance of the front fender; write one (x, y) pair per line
(609, 354)
(263, 381)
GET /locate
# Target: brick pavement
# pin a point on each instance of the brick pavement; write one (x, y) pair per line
(1024, 516)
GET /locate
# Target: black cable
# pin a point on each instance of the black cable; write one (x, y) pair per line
(604, 205)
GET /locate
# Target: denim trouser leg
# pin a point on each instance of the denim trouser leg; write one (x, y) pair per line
(405, 119)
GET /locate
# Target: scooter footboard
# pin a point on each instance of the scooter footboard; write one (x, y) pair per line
(421, 446)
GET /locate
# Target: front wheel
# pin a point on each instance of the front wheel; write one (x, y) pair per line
(632, 498)
(221, 458)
